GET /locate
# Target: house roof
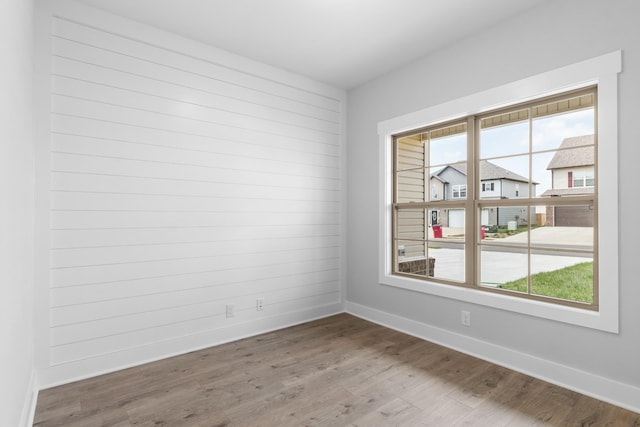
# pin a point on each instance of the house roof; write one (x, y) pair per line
(574, 191)
(488, 171)
(574, 151)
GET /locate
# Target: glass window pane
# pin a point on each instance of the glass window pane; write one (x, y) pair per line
(410, 185)
(410, 224)
(504, 134)
(451, 181)
(564, 227)
(506, 225)
(409, 153)
(448, 145)
(508, 177)
(417, 266)
(410, 249)
(556, 121)
(562, 275)
(450, 224)
(500, 266)
(448, 261)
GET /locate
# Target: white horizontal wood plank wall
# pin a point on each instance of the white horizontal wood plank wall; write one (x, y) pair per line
(179, 184)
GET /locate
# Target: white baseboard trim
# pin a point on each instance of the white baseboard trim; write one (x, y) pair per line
(605, 389)
(30, 401)
(72, 372)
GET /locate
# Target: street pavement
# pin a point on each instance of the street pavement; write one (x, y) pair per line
(501, 264)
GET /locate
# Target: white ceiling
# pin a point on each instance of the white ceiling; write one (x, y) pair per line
(340, 42)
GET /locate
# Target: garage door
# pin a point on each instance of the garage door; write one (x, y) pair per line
(574, 216)
(484, 217)
(456, 218)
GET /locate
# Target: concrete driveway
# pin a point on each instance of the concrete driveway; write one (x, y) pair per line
(555, 236)
(500, 264)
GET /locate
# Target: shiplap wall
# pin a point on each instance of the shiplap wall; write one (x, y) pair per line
(179, 184)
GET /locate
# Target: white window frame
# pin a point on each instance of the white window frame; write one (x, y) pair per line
(583, 178)
(459, 188)
(488, 186)
(602, 71)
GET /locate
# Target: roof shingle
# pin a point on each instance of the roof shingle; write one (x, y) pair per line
(574, 151)
(488, 171)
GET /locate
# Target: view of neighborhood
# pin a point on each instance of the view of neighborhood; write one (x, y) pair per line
(550, 157)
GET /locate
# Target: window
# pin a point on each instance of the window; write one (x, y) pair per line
(459, 191)
(491, 247)
(578, 181)
(538, 247)
(488, 186)
(582, 179)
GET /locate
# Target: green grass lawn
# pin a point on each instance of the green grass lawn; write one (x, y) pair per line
(573, 283)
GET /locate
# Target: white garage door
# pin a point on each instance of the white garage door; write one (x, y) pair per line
(456, 218)
(484, 217)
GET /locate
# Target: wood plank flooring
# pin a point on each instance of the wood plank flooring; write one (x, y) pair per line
(337, 371)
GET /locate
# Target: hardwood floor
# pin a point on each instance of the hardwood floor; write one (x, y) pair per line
(338, 371)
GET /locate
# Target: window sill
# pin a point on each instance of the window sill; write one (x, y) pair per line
(556, 312)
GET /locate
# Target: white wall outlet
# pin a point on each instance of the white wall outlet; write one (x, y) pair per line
(259, 304)
(465, 318)
(231, 311)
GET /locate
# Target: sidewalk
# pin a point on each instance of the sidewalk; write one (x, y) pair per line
(500, 266)
(571, 236)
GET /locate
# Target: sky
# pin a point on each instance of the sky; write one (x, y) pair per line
(513, 140)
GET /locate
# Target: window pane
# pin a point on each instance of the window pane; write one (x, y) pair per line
(418, 266)
(508, 177)
(450, 224)
(410, 224)
(448, 260)
(504, 134)
(564, 227)
(562, 276)
(448, 145)
(410, 185)
(459, 191)
(507, 225)
(558, 120)
(500, 266)
(410, 249)
(451, 180)
(409, 153)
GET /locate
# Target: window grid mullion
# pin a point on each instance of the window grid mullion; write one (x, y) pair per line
(469, 195)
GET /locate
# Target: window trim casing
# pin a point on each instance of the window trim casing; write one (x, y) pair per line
(601, 71)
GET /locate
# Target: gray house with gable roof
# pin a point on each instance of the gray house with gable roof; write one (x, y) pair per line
(450, 183)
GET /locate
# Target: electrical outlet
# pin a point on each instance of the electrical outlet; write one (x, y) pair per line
(230, 310)
(259, 304)
(465, 318)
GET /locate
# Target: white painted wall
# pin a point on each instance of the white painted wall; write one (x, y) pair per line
(552, 35)
(177, 179)
(17, 382)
